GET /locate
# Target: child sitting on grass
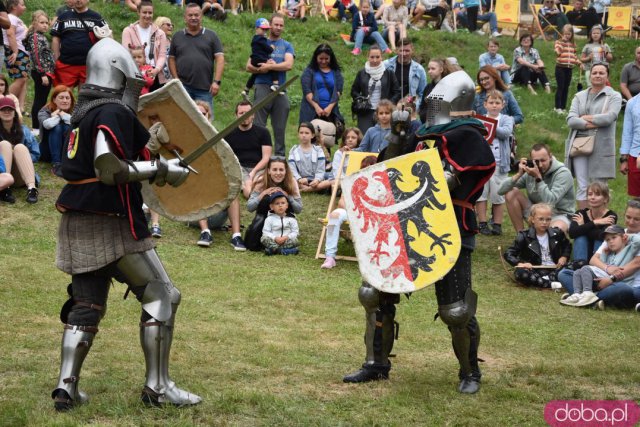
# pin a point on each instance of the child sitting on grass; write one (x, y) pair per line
(307, 161)
(621, 248)
(280, 231)
(501, 146)
(493, 58)
(539, 252)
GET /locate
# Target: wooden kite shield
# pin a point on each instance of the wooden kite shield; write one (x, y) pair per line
(404, 228)
(219, 177)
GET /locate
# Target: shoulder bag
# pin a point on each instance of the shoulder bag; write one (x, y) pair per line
(584, 145)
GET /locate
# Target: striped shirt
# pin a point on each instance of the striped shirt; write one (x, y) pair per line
(566, 54)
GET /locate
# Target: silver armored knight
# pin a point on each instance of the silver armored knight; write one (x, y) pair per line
(468, 163)
(103, 232)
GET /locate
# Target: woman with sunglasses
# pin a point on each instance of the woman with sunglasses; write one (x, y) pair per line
(278, 177)
(145, 33)
(489, 79)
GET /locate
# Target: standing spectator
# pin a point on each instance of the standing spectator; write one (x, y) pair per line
(488, 79)
(395, 18)
(493, 58)
(283, 57)
(17, 61)
(42, 63)
(194, 52)
(630, 77)
(166, 26)
(472, 7)
(594, 112)
(252, 146)
(72, 37)
(581, 17)
(596, 51)
(374, 82)
(55, 124)
(322, 85)
(154, 41)
(364, 29)
(19, 149)
(410, 74)
(630, 146)
(432, 8)
(566, 59)
(546, 180)
(527, 67)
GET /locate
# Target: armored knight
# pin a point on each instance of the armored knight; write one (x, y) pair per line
(103, 231)
(468, 163)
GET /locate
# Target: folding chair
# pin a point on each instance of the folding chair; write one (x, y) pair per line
(535, 9)
(508, 15)
(619, 20)
(355, 159)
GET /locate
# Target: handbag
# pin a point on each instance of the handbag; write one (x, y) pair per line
(584, 145)
(361, 104)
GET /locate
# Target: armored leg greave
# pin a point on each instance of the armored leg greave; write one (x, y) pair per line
(379, 335)
(160, 299)
(76, 342)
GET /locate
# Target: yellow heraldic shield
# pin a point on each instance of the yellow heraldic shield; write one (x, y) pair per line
(404, 228)
(219, 178)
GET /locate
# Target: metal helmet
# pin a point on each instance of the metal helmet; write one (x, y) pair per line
(110, 65)
(452, 96)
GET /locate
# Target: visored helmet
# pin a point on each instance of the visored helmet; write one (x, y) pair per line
(452, 96)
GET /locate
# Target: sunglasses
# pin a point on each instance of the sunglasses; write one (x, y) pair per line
(277, 158)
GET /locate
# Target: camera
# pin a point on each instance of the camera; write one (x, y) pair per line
(530, 163)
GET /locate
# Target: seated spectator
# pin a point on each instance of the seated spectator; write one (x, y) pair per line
(395, 19)
(488, 79)
(307, 161)
(546, 180)
(588, 224)
(19, 150)
(527, 67)
(280, 231)
(485, 16)
(581, 17)
(538, 247)
(278, 177)
(375, 139)
(294, 9)
(493, 58)
(55, 123)
(435, 8)
(621, 250)
(351, 139)
(501, 146)
(549, 14)
(630, 77)
(6, 181)
(364, 29)
(612, 290)
(343, 6)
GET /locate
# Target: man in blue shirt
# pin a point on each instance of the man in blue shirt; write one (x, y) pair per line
(283, 56)
(630, 146)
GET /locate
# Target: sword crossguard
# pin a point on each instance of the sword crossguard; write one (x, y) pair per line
(179, 157)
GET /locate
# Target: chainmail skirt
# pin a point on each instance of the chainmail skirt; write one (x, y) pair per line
(88, 242)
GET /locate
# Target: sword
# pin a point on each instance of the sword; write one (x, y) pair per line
(191, 157)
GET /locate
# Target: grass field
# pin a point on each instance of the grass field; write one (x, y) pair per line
(266, 341)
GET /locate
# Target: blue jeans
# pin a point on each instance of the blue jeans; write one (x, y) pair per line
(200, 95)
(56, 140)
(374, 37)
(618, 294)
(489, 16)
(581, 248)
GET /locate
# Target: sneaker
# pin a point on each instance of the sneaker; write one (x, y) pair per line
(205, 239)
(413, 27)
(35, 132)
(638, 307)
(586, 299)
(289, 251)
(7, 196)
(356, 51)
(484, 229)
(556, 286)
(238, 244)
(274, 88)
(330, 262)
(343, 20)
(479, 32)
(565, 296)
(446, 27)
(576, 30)
(32, 195)
(156, 231)
(571, 299)
(547, 88)
(245, 95)
(496, 34)
(469, 385)
(599, 305)
(496, 229)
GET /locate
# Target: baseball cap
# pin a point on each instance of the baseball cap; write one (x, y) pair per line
(276, 195)
(7, 102)
(614, 229)
(262, 23)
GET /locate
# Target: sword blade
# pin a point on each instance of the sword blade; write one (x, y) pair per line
(195, 154)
